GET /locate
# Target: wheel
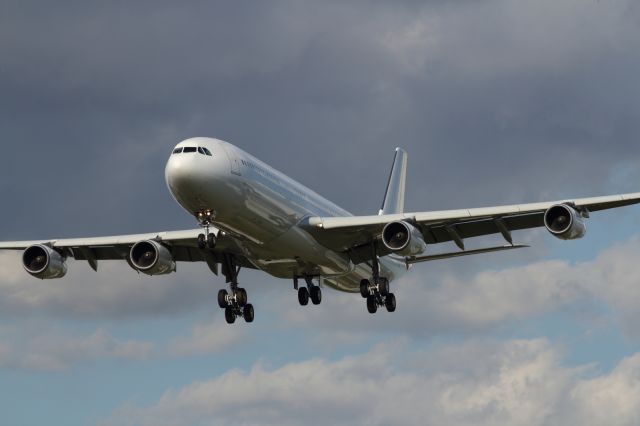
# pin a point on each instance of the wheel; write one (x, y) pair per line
(211, 241)
(222, 298)
(202, 242)
(241, 296)
(303, 296)
(230, 316)
(247, 312)
(383, 286)
(390, 302)
(364, 288)
(372, 305)
(316, 295)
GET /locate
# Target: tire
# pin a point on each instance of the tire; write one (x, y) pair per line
(229, 315)
(211, 241)
(364, 288)
(202, 242)
(383, 286)
(316, 295)
(390, 302)
(303, 296)
(247, 312)
(241, 296)
(222, 298)
(372, 305)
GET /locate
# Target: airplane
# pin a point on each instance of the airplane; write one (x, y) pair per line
(253, 216)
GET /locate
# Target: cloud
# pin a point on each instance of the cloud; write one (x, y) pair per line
(116, 291)
(519, 382)
(206, 338)
(467, 303)
(58, 352)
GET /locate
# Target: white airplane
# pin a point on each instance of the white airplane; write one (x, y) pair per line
(253, 216)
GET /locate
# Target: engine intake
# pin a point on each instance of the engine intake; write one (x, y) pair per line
(44, 262)
(152, 258)
(403, 238)
(565, 222)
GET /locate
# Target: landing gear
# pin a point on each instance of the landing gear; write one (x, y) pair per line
(303, 296)
(390, 302)
(310, 291)
(234, 302)
(372, 304)
(376, 290)
(206, 240)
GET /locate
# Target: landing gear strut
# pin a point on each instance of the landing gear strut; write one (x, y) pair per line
(234, 302)
(377, 290)
(310, 291)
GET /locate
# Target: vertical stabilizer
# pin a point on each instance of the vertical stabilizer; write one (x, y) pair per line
(394, 195)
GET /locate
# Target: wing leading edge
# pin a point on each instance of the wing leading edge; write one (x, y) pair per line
(350, 232)
(182, 244)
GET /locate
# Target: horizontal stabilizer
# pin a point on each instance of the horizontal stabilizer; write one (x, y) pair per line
(412, 260)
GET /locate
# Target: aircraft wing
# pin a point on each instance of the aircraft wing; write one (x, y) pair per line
(350, 232)
(182, 244)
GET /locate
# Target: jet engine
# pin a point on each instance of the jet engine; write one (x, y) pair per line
(152, 258)
(565, 222)
(44, 262)
(403, 238)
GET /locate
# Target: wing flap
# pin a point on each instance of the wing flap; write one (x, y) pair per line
(441, 256)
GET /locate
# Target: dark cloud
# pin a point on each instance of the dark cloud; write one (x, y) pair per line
(495, 102)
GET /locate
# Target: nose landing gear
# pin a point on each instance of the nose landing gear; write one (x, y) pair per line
(208, 239)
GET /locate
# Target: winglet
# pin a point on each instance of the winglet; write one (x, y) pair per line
(393, 201)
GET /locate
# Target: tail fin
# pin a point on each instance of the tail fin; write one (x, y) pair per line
(394, 195)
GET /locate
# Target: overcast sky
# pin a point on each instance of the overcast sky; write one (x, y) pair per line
(496, 101)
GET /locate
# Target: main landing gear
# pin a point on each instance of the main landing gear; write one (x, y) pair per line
(310, 291)
(234, 301)
(377, 294)
(377, 290)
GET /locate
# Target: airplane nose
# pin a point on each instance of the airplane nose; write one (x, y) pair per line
(177, 173)
(184, 180)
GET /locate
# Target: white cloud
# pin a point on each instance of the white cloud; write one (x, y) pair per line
(207, 338)
(56, 352)
(453, 302)
(521, 382)
(610, 399)
(115, 291)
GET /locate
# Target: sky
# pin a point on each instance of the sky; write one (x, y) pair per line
(496, 102)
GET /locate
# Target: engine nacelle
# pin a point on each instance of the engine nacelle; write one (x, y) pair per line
(44, 262)
(152, 258)
(403, 238)
(565, 222)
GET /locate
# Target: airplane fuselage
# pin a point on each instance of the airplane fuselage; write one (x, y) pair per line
(265, 210)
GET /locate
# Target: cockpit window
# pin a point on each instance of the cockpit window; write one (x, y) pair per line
(177, 150)
(200, 150)
(206, 151)
(189, 149)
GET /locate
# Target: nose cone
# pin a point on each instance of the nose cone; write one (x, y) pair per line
(196, 167)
